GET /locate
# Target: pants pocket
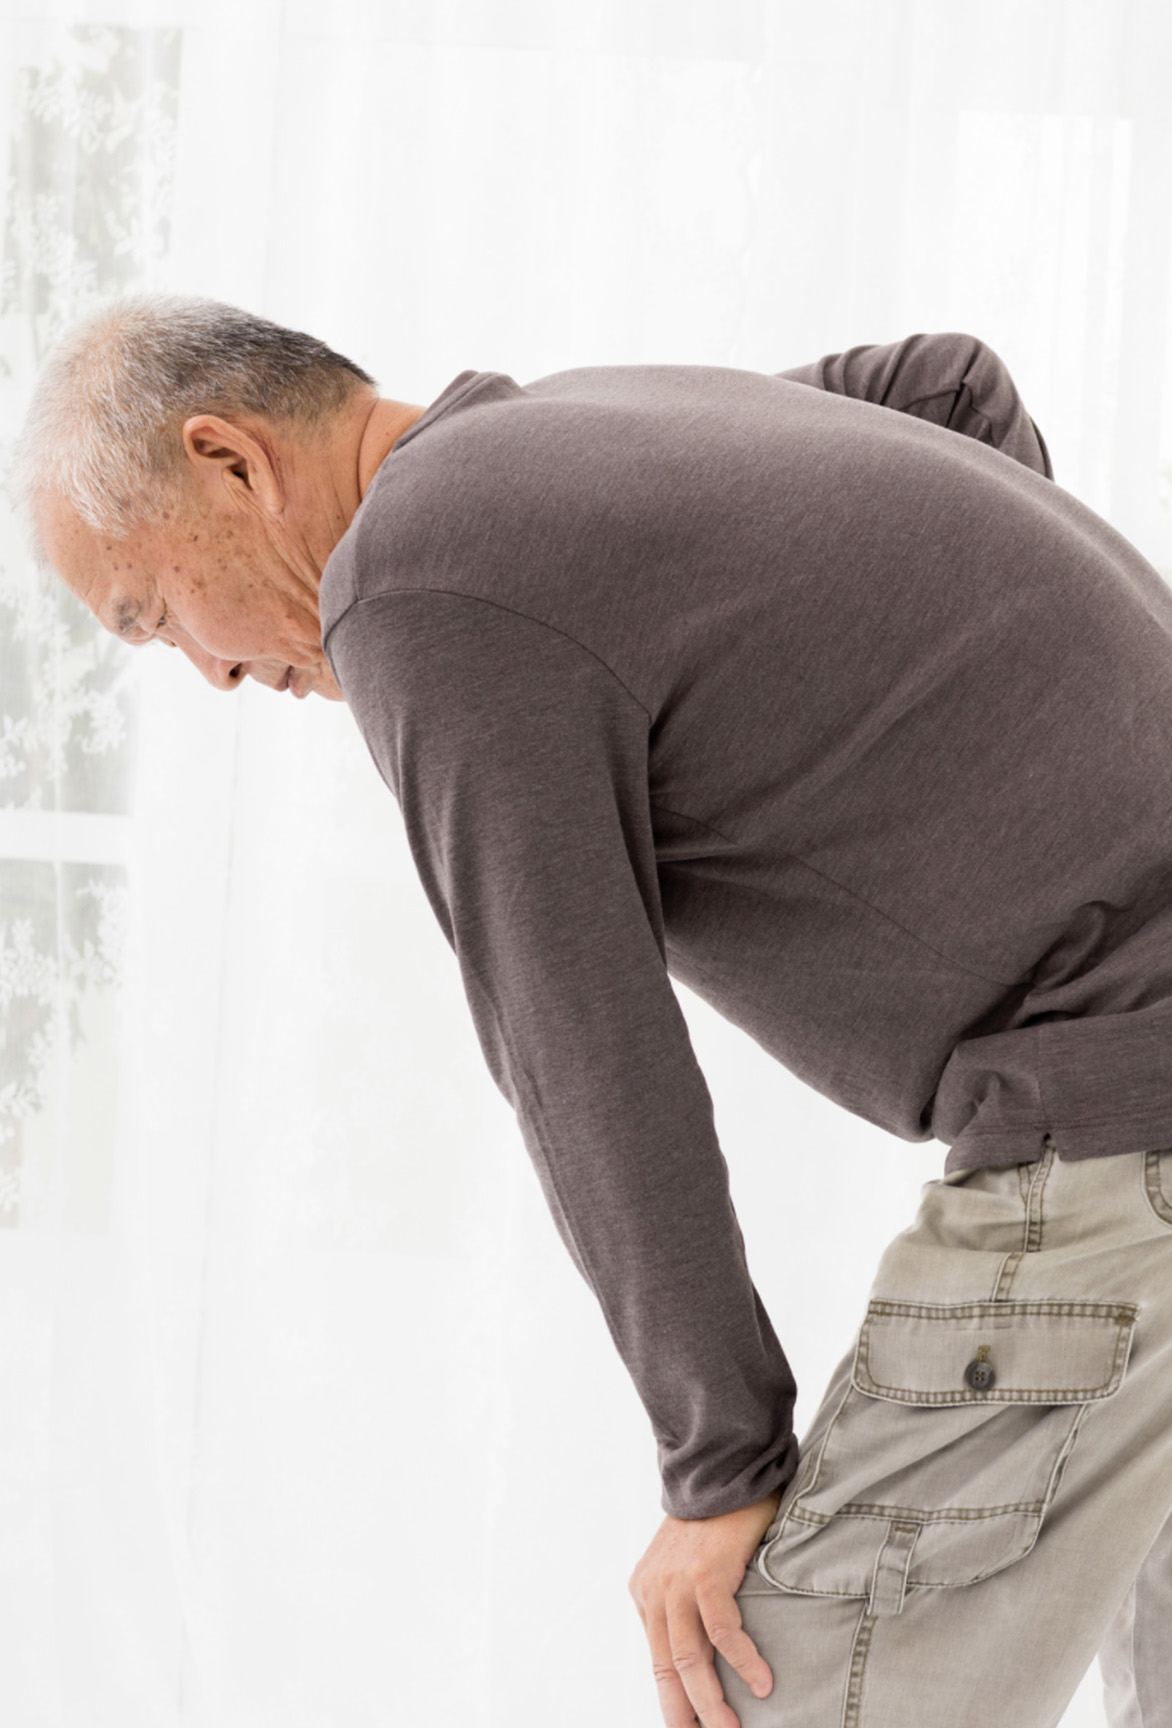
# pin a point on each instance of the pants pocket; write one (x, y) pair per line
(945, 1452)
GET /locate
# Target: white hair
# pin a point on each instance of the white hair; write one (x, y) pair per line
(103, 430)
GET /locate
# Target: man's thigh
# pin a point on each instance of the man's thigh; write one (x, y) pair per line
(989, 1466)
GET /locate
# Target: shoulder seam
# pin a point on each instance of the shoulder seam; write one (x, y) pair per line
(498, 606)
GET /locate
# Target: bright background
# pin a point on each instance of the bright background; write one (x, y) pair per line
(305, 1416)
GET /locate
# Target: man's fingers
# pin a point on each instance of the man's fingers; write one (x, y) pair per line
(691, 1657)
(725, 1628)
(674, 1704)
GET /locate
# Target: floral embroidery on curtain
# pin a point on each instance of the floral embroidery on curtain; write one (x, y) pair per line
(90, 175)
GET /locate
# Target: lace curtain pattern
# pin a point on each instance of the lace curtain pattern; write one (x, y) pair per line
(91, 154)
(305, 1416)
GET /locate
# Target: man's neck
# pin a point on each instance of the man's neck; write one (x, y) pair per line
(388, 420)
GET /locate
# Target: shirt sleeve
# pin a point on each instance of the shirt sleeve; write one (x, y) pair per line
(520, 763)
(950, 379)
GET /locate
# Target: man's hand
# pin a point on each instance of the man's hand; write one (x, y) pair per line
(684, 1589)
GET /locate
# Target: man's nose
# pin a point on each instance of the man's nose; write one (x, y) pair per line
(224, 674)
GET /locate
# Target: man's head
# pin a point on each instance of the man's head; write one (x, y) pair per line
(187, 469)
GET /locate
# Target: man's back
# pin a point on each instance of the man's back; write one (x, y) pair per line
(909, 707)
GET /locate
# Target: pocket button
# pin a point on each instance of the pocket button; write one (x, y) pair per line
(979, 1375)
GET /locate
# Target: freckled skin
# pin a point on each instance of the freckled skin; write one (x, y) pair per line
(232, 577)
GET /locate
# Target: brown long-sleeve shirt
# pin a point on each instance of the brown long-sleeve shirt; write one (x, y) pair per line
(861, 729)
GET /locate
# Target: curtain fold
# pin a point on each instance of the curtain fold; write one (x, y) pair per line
(305, 1416)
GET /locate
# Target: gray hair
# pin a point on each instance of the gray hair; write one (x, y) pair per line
(103, 429)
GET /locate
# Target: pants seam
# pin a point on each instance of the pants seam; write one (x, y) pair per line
(860, 1650)
(1136, 1670)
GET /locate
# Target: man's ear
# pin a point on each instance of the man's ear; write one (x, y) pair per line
(226, 456)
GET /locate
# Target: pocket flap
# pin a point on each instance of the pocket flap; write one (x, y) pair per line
(1030, 1352)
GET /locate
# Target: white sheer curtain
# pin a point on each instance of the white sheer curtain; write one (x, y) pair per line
(305, 1416)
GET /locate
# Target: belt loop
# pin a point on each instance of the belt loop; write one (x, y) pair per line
(1031, 1241)
(889, 1582)
(1041, 1172)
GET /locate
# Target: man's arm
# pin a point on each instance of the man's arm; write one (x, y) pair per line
(520, 765)
(949, 379)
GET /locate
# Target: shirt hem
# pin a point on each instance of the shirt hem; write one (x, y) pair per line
(1100, 1137)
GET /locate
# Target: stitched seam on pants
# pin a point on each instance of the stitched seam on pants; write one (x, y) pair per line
(1031, 1236)
(1016, 1395)
(1154, 1187)
(1076, 1307)
(816, 1472)
(914, 1514)
(1036, 1218)
(809, 1590)
(1139, 1670)
(860, 1650)
(1005, 1276)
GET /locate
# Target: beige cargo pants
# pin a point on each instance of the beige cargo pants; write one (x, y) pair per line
(984, 1498)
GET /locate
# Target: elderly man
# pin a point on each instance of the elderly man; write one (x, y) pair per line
(863, 729)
